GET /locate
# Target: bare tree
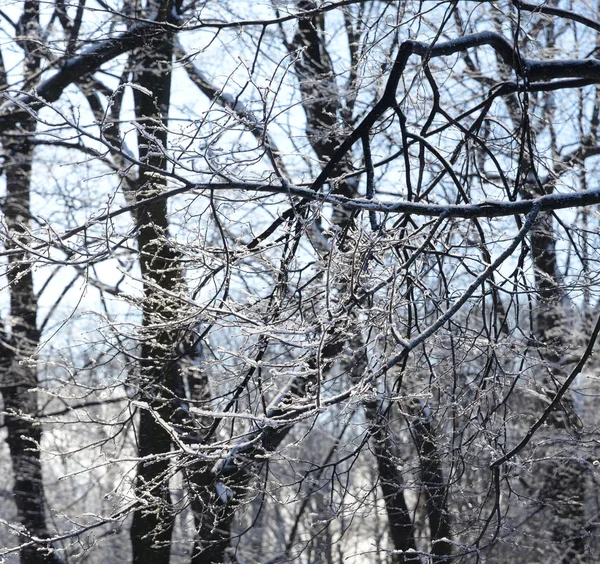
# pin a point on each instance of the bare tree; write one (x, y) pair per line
(20, 334)
(300, 281)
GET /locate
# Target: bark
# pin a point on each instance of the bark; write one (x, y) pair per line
(152, 524)
(217, 495)
(392, 487)
(212, 515)
(391, 481)
(18, 371)
(19, 378)
(433, 483)
(563, 487)
(321, 103)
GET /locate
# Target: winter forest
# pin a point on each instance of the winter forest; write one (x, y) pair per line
(300, 282)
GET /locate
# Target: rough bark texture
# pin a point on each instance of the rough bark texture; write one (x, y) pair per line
(563, 488)
(19, 378)
(18, 371)
(433, 483)
(152, 525)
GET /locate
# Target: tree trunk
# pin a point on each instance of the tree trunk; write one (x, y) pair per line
(392, 487)
(19, 378)
(563, 488)
(432, 477)
(152, 525)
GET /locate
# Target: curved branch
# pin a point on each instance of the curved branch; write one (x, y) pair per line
(554, 404)
(530, 70)
(77, 67)
(552, 11)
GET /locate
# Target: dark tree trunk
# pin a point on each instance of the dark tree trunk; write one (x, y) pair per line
(19, 378)
(392, 486)
(18, 372)
(563, 488)
(434, 486)
(391, 481)
(152, 525)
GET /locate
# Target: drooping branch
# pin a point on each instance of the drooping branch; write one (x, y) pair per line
(255, 126)
(77, 67)
(559, 12)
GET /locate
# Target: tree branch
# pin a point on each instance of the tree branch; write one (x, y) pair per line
(554, 404)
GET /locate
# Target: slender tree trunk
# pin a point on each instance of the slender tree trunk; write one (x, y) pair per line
(217, 496)
(391, 481)
(152, 525)
(18, 371)
(432, 477)
(19, 378)
(563, 489)
(392, 486)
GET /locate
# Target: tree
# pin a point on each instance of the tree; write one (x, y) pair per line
(300, 281)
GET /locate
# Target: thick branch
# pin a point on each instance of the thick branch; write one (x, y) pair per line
(76, 68)
(530, 70)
